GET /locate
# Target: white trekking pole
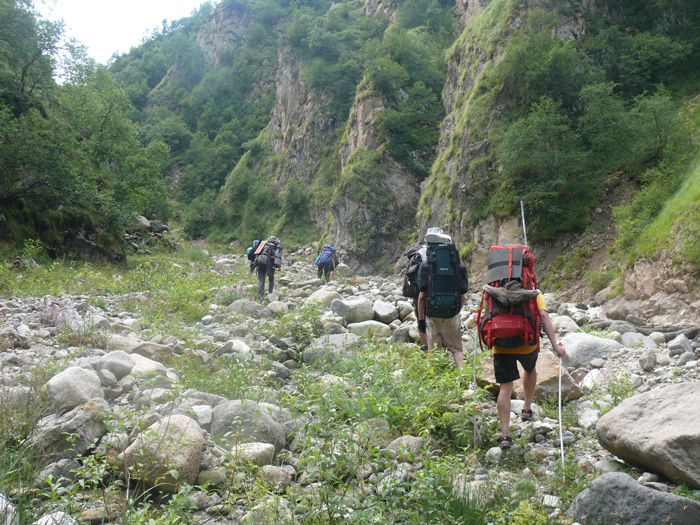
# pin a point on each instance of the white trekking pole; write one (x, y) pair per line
(561, 431)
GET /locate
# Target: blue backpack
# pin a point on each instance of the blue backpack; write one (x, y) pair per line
(325, 258)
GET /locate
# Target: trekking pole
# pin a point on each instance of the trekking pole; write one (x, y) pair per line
(561, 432)
(522, 214)
(476, 437)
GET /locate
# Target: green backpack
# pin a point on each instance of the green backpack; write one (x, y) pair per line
(446, 281)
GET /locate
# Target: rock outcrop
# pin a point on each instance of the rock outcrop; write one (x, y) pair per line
(659, 430)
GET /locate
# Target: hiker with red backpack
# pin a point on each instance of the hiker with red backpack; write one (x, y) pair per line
(267, 257)
(511, 312)
(443, 286)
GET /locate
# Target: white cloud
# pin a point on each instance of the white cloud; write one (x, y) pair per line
(106, 26)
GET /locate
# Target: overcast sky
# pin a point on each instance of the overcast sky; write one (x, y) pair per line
(106, 26)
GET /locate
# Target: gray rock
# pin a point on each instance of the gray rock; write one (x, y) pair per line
(563, 324)
(635, 339)
(118, 362)
(648, 361)
(581, 348)
(278, 308)
(243, 306)
(687, 357)
(370, 329)
(278, 477)
(658, 430)
(385, 312)
(588, 417)
(245, 421)
(73, 433)
(327, 346)
(56, 518)
(411, 448)
(8, 513)
(622, 328)
(619, 495)
(325, 294)
(353, 309)
(174, 444)
(259, 454)
(61, 472)
(72, 387)
(680, 345)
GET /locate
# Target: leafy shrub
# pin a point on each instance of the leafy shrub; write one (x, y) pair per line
(304, 324)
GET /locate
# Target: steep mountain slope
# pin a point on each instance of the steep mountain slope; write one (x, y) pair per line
(342, 121)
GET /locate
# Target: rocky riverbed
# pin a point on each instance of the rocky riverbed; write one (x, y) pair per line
(113, 397)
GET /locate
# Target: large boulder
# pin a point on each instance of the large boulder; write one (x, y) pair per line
(325, 294)
(563, 324)
(328, 346)
(618, 498)
(659, 430)
(582, 348)
(385, 312)
(173, 445)
(72, 387)
(72, 434)
(118, 362)
(353, 309)
(245, 421)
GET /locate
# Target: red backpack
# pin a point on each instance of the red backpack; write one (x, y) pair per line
(508, 315)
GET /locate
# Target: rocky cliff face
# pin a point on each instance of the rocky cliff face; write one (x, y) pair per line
(464, 149)
(224, 31)
(298, 127)
(378, 199)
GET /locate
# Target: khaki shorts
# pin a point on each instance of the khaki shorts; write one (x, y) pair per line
(444, 332)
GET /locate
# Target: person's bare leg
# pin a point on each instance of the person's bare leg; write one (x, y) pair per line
(529, 382)
(459, 359)
(504, 407)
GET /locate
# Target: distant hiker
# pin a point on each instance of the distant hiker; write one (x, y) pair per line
(443, 288)
(509, 323)
(416, 255)
(327, 262)
(267, 258)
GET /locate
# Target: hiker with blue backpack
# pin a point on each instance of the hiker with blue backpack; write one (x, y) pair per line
(327, 262)
(443, 286)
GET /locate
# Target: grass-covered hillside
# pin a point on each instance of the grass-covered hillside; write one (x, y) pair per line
(556, 109)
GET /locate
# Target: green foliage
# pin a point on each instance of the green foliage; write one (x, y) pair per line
(303, 324)
(600, 279)
(546, 166)
(69, 157)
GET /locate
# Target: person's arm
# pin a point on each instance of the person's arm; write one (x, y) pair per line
(549, 330)
(421, 312)
(464, 299)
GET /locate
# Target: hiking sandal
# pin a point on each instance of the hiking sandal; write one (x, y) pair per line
(505, 442)
(526, 414)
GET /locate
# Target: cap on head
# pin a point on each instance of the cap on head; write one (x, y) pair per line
(437, 236)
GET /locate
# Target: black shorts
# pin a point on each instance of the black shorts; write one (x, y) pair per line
(506, 368)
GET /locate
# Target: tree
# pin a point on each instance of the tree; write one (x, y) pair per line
(545, 165)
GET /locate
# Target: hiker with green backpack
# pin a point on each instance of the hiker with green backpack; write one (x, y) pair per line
(443, 286)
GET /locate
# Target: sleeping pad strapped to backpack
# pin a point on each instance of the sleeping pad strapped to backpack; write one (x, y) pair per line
(508, 315)
(447, 281)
